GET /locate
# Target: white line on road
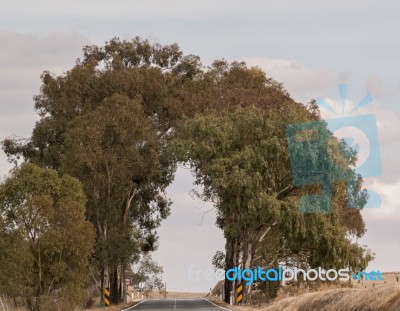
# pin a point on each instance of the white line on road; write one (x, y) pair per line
(175, 304)
(135, 305)
(216, 304)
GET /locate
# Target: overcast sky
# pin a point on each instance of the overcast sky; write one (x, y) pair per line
(309, 45)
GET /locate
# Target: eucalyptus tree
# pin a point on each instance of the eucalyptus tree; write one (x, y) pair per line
(107, 121)
(46, 240)
(110, 120)
(241, 157)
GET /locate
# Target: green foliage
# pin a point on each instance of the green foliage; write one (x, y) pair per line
(268, 290)
(109, 122)
(218, 260)
(46, 241)
(146, 275)
(240, 156)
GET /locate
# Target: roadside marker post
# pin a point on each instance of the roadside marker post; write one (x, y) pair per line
(107, 297)
(239, 293)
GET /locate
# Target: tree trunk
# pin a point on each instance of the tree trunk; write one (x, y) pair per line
(124, 287)
(114, 284)
(231, 260)
(248, 263)
(229, 263)
(102, 278)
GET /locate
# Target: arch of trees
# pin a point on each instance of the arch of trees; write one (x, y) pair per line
(121, 119)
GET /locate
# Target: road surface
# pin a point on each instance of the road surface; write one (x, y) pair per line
(198, 304)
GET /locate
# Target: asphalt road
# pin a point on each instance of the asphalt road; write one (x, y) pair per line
(197, 304)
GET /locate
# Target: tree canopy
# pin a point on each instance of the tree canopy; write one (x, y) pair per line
(123, 117)
(241, 157)
(47, 242)
(107, 122)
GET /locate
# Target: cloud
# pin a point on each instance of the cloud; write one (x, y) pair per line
(190, 9)
(390, 196)
(387, 125)
(186, 238)
(374, 85)
(301, 82)
(383, 227)
(304, 83)
(23, 57)
(380, 238)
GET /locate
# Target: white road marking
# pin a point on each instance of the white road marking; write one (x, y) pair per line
(134, 305)
(127, 309)
(215, 304)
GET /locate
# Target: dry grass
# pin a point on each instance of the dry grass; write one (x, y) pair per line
(356, 296)
(7, 305)
(177, 295)
(390, 278)
(112, 308)
(382, 298)
(344, 299)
